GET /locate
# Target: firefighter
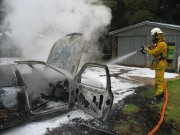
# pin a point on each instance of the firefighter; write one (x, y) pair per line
(159, 63)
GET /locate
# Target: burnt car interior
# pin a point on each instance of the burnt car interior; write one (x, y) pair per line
(46, 88)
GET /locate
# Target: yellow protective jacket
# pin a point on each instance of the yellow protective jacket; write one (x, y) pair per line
(159, 53)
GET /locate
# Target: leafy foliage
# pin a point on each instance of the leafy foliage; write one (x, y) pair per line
(129, 12)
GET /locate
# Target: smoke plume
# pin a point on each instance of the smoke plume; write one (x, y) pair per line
(37, 24)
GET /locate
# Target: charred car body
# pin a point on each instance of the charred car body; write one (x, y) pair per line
(34, 89)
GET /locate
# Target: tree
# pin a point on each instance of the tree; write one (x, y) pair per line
(141, 15)
(169, 11)
(118, 13)
(140, 10)
(129, 12)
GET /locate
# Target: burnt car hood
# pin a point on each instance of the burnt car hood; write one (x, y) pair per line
(66, 53)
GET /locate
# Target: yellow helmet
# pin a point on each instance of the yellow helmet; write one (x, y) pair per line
(156, 31)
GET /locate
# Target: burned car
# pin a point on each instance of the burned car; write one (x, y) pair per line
(30, 90)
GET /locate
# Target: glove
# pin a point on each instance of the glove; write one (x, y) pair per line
(151, 47)
(146, 48)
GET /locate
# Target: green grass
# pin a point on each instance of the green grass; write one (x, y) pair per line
(130, 108)
(173, 108)
(128, 127)
(130, 124)
(150, 92)
(174, 132)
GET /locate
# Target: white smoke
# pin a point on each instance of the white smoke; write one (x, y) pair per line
(37, 24)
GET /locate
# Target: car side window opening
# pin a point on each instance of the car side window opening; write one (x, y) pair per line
(12, 98)
(45, 86)
(8, 78)
(94, 76)
(9, 98)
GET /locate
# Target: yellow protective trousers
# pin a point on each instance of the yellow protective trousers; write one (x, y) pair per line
(159, 81)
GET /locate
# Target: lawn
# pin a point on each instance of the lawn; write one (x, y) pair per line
(172, 113)
(138, 110)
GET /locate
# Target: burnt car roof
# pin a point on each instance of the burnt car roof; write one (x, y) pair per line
(8, 61)
(14, 61)
(29, 62)
(64, 72)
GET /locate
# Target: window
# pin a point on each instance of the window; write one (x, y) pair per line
(7, 76)
(94, 76)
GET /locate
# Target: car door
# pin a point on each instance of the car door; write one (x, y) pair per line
(92, 92)
(13, 107)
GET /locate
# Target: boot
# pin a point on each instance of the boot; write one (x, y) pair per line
(162, 95)
(158, 98)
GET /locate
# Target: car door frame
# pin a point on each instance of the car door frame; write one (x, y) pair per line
(106, 94)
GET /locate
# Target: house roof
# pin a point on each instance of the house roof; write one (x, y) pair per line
(169, 26)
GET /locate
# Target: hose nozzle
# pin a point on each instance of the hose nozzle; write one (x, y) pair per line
(142, 50)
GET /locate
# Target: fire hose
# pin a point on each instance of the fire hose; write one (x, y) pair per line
(162, 113)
